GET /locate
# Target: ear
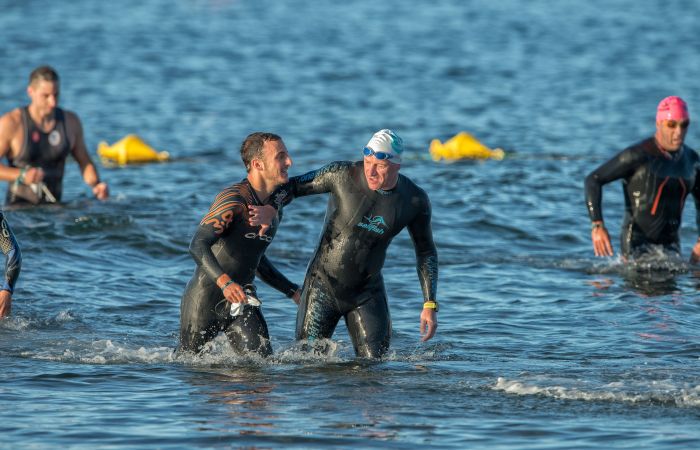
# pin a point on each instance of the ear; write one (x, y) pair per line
(257, 164)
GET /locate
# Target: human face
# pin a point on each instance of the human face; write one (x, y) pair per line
(380, 174)
(670, 134)
(44, 96)
(275, 163)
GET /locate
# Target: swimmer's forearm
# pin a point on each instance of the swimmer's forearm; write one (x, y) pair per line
(267, 272)
(427, 268)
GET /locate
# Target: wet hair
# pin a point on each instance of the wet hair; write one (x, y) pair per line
(252, 146)
(45, 73)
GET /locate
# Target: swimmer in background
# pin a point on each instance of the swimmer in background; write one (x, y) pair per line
(657, 175)
(229, 249)
(369, 204)
(13, 265)
(37, 139)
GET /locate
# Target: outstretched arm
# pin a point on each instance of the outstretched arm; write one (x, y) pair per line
(315, 182)
(421, 233)
(13, 265)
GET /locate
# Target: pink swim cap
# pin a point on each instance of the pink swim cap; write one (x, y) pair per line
(672, 108)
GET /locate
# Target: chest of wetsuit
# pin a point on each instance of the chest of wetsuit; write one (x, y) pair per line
(46, 150)
(655, 188)
(360, 224)
(224, 241)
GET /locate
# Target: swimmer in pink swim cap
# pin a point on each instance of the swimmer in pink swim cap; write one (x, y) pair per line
(658, 173)
(672, 121)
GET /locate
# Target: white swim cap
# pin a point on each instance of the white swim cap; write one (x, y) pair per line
(386, 144)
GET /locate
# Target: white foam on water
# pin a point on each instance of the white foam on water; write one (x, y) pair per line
(15, 323)
(650, 392)
(106, 352)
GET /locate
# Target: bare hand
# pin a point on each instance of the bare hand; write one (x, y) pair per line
(296, 298)
(428, 324)
(33, 175)
(5, 303)
(100, 190)
(601, 242)
(695, 253)
(261, 215)
(234, 293)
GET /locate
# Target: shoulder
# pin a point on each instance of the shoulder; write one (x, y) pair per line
(639, 151)
(330, 168)
(236, 193)
(71, 119)
(411, 190)
(11, 120)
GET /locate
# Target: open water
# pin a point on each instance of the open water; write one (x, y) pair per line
(540, 345)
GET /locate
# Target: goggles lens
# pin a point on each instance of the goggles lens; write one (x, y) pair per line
(672, 124)
(379, 155)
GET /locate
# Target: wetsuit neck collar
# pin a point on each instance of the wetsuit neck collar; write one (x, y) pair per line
(256, 197)
(675, 155)
(389, 191)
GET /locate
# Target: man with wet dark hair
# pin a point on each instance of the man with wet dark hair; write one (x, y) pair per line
(229, 249)
(37, 139)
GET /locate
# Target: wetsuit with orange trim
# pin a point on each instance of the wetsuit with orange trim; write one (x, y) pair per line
(655, 186)
(344, 278)
(46, 150)
(226, 243)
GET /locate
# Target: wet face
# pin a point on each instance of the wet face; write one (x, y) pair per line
(275, 163)
(44, 96)
(380, 174)
(670, 134)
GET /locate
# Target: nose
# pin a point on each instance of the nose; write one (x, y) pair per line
(373, 169)
(53, 101)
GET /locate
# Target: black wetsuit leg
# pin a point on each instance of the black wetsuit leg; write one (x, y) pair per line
(366, 316)
(369, 325)
(202, 316)
(318, 314)
(248, 333)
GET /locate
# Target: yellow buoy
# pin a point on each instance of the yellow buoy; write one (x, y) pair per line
(129, 150)
(463, 146)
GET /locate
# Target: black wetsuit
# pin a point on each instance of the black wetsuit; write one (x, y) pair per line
(344, 278)
(655, 188)
(46, 150)
(225, 243)
(13, 256)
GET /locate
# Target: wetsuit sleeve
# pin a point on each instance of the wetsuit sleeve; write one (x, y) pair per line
(696, 197)
(226, 207)
(622, 165)
(421, 233)
(13, 255)
(315, 182)
(270, 275)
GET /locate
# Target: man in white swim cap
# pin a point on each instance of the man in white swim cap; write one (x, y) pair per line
(383, 160)
(369, 204)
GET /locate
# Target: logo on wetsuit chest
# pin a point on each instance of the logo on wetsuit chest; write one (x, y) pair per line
(373, 224)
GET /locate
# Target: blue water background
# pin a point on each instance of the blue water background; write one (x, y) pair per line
(539, 345)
